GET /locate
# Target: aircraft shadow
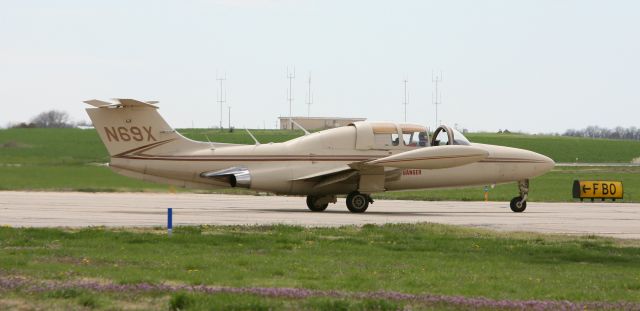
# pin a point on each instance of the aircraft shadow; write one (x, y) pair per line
(398, 213)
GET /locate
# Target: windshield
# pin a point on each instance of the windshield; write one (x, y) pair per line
(445, 135)
(458, 138)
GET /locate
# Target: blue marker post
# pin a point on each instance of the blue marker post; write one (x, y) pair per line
(169, 220)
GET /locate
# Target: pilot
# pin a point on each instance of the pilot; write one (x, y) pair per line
(396, 141)
(422, 139)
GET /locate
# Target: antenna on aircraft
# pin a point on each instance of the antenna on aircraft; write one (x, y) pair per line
(310, 98)
(210, 143)
(222, 95)
(291, 76)
(436, 77)
(302, 128)
(254, 138)
(406, 99)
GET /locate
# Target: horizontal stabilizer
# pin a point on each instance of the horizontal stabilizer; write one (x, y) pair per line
(97, 103)
(128, 102)
(433, 157)
(121, 102)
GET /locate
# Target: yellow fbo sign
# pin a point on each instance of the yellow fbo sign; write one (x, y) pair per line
(597, 190)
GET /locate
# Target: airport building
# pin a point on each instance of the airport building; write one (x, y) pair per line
(317, 123)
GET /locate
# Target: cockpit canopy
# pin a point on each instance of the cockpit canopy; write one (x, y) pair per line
(445, 135)
(387, 135)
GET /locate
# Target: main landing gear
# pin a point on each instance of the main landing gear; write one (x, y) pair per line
(519, 203)
(320, 203)
(358, 202)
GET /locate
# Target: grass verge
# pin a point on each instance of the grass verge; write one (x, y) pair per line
(412, 259)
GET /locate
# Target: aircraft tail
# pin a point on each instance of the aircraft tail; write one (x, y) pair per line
(130, 125)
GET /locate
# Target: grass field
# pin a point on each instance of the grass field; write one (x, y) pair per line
(65, 159)
(285, 267)
(419, 267)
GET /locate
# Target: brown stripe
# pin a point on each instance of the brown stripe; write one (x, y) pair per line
(427, 158)
(138, 154)
(145, 147)
(223, 159)
(512, 161)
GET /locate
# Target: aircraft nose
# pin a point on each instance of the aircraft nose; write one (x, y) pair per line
(545, 163)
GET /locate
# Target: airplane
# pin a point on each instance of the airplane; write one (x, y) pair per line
(357, 160)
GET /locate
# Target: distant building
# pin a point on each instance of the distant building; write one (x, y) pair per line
(316, 123)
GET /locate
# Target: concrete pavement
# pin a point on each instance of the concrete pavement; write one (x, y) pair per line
(73, 209)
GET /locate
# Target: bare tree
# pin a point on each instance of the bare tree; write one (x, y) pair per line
(599, 132)
(52, 118)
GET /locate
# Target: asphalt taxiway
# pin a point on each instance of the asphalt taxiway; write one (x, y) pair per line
(73, 209)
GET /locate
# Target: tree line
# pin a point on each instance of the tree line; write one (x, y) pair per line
(49, 119)
(595, 131)
(61, 119)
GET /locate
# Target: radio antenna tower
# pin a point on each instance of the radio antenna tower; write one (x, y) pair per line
(406, 99)
(310, 98)
(222, 96)
(291, 76)
(436, 97)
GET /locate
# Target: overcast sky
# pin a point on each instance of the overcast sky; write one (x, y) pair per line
(535, 66)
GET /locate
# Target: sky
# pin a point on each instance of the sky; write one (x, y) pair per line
(534, 66)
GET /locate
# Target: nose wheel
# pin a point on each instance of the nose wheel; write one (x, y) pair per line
(519, 203)
(358, 202)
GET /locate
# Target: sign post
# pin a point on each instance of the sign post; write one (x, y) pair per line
(599, 189)
(486, 193)
(169, 220)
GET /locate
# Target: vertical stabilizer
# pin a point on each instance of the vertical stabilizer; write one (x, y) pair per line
(129, 125)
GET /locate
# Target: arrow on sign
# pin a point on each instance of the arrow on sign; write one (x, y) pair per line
(585, 189)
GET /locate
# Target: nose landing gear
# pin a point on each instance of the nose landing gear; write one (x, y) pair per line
(519, 203)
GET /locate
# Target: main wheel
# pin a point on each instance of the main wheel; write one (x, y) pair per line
(517, 205)
(311, 204)
(357, 202)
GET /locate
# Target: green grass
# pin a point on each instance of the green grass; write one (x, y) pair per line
(52, 147)
(566, 149)
(416, 258)
(63, 159)
(193, 301)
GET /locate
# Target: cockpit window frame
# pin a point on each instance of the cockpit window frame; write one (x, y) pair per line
(454, 137)
(412, 129)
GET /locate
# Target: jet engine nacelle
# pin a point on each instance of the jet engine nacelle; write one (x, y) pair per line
(235, 176)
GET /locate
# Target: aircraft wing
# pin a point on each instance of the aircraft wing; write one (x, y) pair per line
(391, 166)
(433, 157)
(321, 174)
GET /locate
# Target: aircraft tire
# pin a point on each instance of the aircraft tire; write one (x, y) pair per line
(311, 204)
(357, 202)
(515, 205)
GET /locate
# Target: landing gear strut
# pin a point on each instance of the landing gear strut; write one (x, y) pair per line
(358, 202)
(319, 203)
(519, 203)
